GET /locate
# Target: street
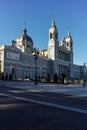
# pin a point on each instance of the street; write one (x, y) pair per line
(39, 107)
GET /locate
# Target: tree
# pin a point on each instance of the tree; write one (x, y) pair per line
(63, 77)
(2, 76)
(6, 76)
(55, 78)
(48, 78)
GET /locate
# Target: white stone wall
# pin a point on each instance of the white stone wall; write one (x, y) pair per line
(76, 71)
(24, 65)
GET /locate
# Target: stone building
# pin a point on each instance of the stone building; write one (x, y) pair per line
(18, 62)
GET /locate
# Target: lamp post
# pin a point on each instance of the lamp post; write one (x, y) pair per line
(27, 72)
(36, 69)
(35, 57)
(84, 76)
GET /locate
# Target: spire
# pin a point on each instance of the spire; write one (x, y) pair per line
(69, 35)
(24, 25)
(53, 21)
(53, 27)
(24, 30)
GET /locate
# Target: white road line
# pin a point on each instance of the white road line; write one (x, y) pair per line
(47, 104)
(38, 95)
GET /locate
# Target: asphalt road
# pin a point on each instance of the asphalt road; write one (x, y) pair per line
(23, 109)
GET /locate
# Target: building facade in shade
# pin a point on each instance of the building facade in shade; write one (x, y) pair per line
(18, 62)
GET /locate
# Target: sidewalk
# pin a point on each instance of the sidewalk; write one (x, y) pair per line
(70, 89)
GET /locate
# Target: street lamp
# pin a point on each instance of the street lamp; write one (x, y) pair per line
(35, 57)
(28, 72)
(84, 76)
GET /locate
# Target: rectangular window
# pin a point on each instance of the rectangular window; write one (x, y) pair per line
(14, 56)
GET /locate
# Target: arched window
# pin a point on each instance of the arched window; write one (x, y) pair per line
(51, 35)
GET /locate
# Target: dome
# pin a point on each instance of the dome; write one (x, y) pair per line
(24, 42)
(26, 38)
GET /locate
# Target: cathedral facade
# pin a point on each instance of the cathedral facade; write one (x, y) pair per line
(18, 61)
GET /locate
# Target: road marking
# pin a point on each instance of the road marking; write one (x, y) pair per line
(47, 104)
(38, 95)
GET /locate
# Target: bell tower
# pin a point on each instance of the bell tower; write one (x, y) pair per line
(53, 41)
(69, 46)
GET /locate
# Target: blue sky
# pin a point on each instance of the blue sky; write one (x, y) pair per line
(38, 17)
